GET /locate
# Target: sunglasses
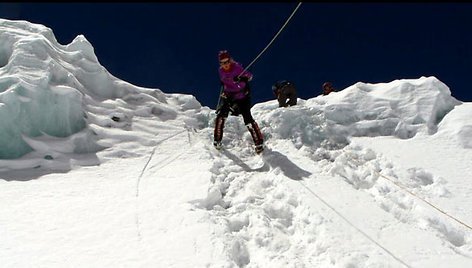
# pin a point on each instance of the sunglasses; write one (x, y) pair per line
(224, 62)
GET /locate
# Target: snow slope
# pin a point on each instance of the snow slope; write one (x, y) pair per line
(96, 172)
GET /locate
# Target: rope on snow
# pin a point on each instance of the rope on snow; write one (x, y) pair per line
(392, 181)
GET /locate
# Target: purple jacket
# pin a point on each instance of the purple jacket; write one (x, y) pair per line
(231, 88)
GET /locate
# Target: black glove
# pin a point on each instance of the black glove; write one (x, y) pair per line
(240, 79)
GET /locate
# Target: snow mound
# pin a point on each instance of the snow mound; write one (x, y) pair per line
(54, 94)
(458, 125)
(401, 108)
(46, 89)
(168, 198)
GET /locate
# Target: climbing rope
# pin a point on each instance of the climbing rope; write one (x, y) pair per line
(390, 180)
(150, 157)
(137, 220)
(353, 226)
(262, 52)
(277, 34)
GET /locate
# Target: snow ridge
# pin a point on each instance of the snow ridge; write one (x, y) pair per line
(51, 90)
(109, 174)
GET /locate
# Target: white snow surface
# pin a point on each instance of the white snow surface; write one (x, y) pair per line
(96, 172)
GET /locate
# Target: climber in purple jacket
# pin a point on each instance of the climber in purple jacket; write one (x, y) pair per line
(236, 98)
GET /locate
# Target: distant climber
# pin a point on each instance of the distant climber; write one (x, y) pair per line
(327, 88)
(236, 98)
(285, 92)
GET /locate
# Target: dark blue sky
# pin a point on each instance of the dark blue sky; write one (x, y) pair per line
(174, 46)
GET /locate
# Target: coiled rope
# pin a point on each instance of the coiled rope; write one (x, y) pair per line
(392, 181)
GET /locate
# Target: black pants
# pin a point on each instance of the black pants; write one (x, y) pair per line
(244, 106)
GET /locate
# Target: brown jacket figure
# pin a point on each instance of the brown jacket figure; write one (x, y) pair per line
(285, 90)
(328, 88)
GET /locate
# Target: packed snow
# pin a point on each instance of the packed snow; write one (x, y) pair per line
(96, 172)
